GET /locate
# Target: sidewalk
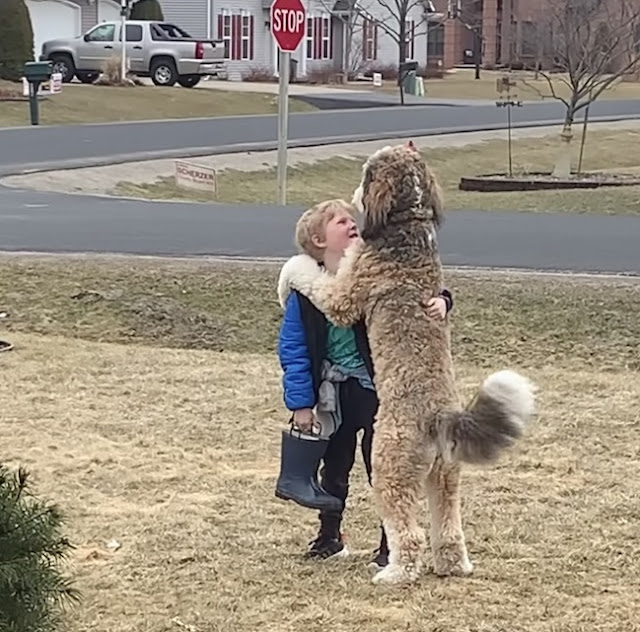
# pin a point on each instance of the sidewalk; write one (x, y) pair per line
(346, 94)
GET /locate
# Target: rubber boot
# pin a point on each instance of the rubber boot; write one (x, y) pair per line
(299, 462)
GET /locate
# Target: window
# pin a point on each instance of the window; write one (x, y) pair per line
(319, 37)
(435, 41)
(245, 37)
(134, 33)
(236, 31)
(369, 40)
(167, 31)
(410, 36)
(529, 39)
(102, 33)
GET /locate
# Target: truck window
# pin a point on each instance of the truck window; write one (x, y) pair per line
(161, 31)
(102, 33)
(134, 33)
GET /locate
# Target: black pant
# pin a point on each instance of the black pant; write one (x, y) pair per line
(359, 406)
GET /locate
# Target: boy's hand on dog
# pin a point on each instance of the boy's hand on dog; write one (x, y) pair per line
(437, 307)
(303, 419)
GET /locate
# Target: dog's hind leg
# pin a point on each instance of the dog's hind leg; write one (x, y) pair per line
(399, 473)
(450, 555)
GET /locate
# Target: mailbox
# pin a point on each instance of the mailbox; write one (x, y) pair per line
(38, 71)
(35, 72)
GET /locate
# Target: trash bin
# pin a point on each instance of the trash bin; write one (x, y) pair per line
(409, 83)
(408, 72)
(293, 70)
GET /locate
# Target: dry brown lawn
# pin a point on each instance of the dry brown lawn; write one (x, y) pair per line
(462, 84)
(337, 177)
(103, 104)
(173, 452)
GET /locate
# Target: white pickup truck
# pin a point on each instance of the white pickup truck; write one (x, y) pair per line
(159, 50)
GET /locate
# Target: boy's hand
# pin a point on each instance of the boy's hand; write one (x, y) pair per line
(303, 419)
(437, 307)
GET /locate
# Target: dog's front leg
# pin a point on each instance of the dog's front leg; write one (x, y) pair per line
(342, 297)
(338, 299)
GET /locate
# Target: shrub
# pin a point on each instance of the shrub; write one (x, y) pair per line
(16, 39)
(260, 74)
(323, 74)
(33, 590)
(147, 10)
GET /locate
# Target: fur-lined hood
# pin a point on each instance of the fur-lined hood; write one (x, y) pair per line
(298, 273)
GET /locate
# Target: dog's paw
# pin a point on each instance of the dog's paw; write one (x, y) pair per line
(446, 566)
(395, 574)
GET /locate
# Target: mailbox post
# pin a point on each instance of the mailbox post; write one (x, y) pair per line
(35, 72)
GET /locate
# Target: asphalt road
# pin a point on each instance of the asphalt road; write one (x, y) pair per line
(43, 222)
(84, 145)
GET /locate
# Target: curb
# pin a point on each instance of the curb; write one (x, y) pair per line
(193, 152)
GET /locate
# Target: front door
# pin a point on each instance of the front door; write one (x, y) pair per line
(97, 47)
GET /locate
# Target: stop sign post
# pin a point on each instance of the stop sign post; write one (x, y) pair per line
(288, 26)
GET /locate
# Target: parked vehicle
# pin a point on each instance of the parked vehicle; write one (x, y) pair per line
(159, 50)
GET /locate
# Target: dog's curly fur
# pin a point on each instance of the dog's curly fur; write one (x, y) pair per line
(422, 432)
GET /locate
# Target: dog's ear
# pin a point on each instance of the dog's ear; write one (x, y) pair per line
(434, 199)
(376, 201)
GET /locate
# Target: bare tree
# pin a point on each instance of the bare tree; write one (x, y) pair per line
(469, 14)
(347, 11)
(594, 44)
(394, 17)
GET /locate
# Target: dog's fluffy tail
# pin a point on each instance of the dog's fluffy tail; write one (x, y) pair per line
(495, 419)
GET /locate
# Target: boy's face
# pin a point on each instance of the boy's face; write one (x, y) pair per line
(339, 232)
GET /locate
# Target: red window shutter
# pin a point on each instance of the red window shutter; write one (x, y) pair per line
(234, 37)
(250, 37)
(239, 36)
(220, 31)
(375, 41)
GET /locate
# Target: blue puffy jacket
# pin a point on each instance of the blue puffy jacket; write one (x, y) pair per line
(295, 359)
(302, 347)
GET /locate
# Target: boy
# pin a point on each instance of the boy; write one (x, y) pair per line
(313, 353)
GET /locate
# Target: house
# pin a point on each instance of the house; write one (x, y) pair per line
(519, 33)
(244, 25)
(52, 19)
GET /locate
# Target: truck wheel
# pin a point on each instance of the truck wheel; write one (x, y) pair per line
(163, 72)
(189, 81)
(64, 65)
(87, 77)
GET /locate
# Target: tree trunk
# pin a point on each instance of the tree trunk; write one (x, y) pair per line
(402, 54)
(562, 168)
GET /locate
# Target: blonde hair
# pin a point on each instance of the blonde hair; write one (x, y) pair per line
(313, 222)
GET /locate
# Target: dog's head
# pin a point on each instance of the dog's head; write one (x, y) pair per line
(396, 179)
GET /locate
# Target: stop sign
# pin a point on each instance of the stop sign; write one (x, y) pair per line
(288, 23)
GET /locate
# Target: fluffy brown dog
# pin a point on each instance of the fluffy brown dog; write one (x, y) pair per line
(422, 432)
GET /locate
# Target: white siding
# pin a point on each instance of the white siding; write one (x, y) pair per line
(262, 55)
(191, 15)
(388, 52)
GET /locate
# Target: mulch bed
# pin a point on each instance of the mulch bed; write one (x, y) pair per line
(498, 182)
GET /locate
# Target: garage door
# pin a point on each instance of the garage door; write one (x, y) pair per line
(52, 19)
(108, 11)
